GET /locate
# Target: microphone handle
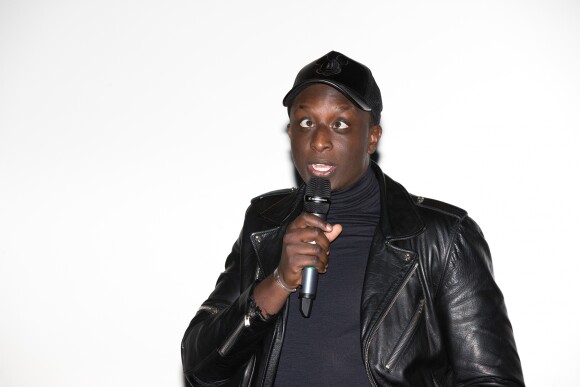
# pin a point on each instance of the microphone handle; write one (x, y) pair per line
(309, 285)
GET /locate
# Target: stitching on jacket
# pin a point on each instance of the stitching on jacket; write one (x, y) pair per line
(257, 245)
(256, 202)
(406, 337)
(278, 192)
(447, 254)
(442, 211)
(210, 309)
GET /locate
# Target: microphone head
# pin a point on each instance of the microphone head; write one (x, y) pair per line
(317, 196)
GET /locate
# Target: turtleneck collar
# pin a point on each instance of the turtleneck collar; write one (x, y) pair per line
(359, 198)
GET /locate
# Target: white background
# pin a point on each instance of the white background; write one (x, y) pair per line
(134, 134)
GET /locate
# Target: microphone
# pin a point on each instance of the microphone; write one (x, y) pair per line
(317, 202)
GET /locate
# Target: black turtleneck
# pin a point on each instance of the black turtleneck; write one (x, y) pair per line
(325, 349)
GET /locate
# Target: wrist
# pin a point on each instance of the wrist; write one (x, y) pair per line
(282, 284)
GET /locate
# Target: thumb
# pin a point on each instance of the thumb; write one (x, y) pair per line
(336, 230)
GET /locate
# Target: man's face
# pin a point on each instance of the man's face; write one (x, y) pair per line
(330, 136)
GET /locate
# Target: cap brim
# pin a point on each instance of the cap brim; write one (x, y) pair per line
(354, 97)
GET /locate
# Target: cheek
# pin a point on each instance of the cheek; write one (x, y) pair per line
(300, 145)
(296, 148)
(298, 153)
(356, 150)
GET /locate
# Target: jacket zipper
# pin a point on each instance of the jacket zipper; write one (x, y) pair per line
(227, 345)
(406, 336)
(376, 327)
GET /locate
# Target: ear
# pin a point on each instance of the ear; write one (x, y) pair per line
(288, 130)
(374, 136)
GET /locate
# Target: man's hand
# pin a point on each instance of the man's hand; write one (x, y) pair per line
(306, 243)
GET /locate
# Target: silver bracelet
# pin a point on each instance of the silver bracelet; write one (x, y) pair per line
(281, 284)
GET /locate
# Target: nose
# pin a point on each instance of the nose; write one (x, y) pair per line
(321, 139)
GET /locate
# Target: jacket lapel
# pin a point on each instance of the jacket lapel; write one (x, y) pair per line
(267, 243)
(388, 266)
(268, 247)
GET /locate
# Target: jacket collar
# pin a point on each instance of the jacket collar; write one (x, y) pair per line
(399, 216)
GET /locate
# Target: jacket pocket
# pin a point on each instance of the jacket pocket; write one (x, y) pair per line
(406, 337)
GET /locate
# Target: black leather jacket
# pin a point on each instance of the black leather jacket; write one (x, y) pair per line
(431, 312)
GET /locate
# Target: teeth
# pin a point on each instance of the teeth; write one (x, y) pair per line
(321, 167)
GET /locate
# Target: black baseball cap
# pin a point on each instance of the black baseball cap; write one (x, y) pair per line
(351, 78)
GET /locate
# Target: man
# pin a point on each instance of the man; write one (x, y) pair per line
(406, 295)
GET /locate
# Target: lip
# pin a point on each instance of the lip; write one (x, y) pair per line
(321, 169)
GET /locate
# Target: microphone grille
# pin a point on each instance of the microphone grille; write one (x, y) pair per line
(317, 196)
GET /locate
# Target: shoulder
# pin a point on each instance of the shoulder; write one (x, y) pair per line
(399, 199)
(273, 196)
(442, 218)
(437, 207)
(275, 206)
(416, 215)
(268, 199)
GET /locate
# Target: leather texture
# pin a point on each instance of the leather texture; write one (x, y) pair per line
(431, 311)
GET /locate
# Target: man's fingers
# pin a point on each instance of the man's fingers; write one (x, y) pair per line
(310, 220)
(332, 235)
(318, 262)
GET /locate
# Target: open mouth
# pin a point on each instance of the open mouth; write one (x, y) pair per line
(321, 169)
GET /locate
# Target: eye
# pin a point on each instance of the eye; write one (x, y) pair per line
(340, 125)
(306, 123)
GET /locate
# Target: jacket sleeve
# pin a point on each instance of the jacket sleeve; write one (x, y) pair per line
(478, 333)
(226, 331)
